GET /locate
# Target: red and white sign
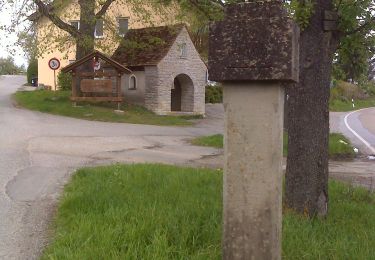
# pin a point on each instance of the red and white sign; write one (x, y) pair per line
(96, 65)
(54, 64)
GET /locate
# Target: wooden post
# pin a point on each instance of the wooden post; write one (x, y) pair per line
(118, 82)
(254, 53)
(74, 87)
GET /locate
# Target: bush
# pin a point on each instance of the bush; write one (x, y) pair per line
(214, 94)
(64, 81)
(368, 86)
(345, 91)
(32, 70)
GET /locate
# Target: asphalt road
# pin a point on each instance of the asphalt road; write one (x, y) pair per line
(40, 151)
(359, 127)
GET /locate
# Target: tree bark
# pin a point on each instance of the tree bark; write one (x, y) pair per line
(85, 41)
(308, 119)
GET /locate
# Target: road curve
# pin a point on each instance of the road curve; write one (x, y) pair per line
(363, 127)
(38, 152)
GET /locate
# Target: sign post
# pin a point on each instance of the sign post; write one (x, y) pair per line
(54, 64)
(254, 53)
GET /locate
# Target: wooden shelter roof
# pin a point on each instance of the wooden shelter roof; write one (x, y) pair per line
(108, 61)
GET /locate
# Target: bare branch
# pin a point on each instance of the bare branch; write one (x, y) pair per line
(207, 13)
(104, 9)
(47, 12)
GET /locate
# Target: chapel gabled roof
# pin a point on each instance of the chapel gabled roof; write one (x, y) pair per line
(146, 46)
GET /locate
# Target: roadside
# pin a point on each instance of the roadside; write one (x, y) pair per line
(58, 103)
(152, 211)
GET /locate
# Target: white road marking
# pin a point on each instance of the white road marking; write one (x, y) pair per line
(372, 149)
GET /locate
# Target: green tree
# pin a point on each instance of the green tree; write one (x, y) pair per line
(8, 67)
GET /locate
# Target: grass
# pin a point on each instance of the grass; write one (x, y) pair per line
(338, 105)
(151, 211)
(58, 103)
(210, 141)
(337, 147)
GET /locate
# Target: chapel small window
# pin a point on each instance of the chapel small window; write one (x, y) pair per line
(99, 29)
(183, 50)
(123, 26)
(132, 82)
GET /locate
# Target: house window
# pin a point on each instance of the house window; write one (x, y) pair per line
(99, 32)
(132, 82)
(183, 51)
(75, 24)
(123, 26)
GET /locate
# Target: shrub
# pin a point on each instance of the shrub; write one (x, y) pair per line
(368, 86)
(214, 94)
(345, 91)
(64, 81)
(32, 70)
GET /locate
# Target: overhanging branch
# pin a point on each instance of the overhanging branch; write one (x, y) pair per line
(104, 9)
(46, 11)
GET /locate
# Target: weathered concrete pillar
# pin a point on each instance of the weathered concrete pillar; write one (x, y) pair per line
(254, 53)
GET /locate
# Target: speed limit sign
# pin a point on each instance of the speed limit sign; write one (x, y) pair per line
(54, 64)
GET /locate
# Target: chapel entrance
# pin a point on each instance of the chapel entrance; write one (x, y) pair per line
(176, 96)
(182, 94)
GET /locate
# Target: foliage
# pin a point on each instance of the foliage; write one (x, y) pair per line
(214, 94)
(58, 34)
(32, 70)
(343, 93)
(357, 42)
(152, 211)
(8, 67)
(352, 61)
(64, 81)
(58, 103)
(346, 91)
(302, 10)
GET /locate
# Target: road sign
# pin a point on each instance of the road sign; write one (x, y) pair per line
(96, 65)
(54, 64)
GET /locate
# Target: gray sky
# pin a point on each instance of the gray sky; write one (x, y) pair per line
(5, 39)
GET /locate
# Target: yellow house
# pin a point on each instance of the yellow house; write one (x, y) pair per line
(55, 43)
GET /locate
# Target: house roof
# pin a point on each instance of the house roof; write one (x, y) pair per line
(146, 46)
(108, 62)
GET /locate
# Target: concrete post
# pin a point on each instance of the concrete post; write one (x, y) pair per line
(254, 53)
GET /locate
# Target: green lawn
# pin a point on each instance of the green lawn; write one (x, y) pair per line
(58, 103)
(152, 211)
(337, 149)
(344, 106)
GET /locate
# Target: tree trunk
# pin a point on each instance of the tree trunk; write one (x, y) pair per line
(308, 119)
(85, 42)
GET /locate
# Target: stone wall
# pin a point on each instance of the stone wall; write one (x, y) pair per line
(151, 88)
(134, 96)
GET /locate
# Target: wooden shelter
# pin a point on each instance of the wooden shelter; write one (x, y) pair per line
(90, 82)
